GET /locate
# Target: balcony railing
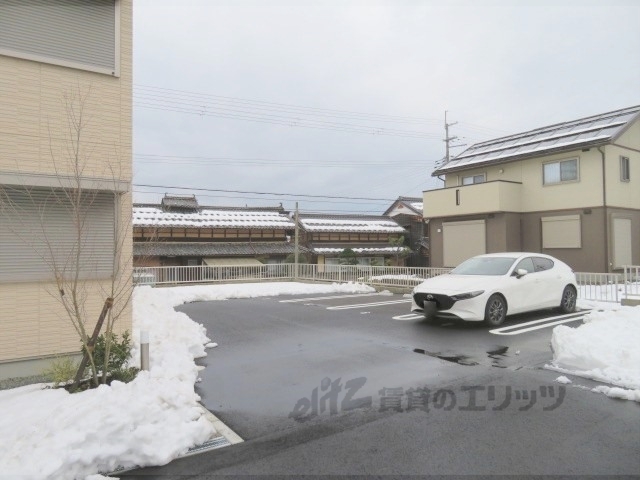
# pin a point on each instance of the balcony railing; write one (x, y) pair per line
(496, 196)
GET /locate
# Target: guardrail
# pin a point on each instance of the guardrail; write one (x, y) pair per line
(603, 287)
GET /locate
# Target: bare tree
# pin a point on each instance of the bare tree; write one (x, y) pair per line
(84, 265)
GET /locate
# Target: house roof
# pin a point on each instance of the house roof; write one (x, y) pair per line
(349, 223)
(413, 204)
(212, 249)
(585, 132)
(213, 217)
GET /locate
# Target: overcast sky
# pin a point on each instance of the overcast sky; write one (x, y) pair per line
(347, 98)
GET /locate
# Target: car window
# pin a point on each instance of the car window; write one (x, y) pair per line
(484, 266)
(542, 264)
(525, 264)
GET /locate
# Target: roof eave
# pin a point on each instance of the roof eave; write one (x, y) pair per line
(525, 156)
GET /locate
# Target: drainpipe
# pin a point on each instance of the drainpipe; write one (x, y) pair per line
(604, 204)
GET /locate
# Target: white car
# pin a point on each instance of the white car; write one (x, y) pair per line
(488, 287)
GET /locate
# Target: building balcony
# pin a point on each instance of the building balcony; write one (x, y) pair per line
(496, 196)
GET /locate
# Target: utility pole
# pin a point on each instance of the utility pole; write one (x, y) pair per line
(448, 139)
(297, 248)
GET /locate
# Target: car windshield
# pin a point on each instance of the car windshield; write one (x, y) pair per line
(484, 266)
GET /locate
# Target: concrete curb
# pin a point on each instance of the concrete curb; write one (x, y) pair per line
(222, 429)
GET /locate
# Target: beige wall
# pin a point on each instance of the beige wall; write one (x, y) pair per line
(624, 194)
(536, 196)
(492, 196)
(33, 140)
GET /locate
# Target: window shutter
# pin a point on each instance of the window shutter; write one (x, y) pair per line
(37, 231)
(76, 32)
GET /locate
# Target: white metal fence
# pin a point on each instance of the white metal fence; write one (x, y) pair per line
(632, 282)
(604, 287)
(379, 276)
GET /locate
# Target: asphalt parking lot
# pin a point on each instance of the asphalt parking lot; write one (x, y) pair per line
(352, 385)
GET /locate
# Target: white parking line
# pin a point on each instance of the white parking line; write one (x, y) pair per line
(367, 305)
(295, 300)
(539, 324)
(409, 316)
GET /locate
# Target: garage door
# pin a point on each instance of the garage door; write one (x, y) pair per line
(462, 240)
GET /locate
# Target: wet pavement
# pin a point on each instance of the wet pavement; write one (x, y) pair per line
(315, 389)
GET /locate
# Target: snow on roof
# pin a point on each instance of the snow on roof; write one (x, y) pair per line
(371, 224)
(323, 250)
(211, 218)
(417, 206)
(596, 129)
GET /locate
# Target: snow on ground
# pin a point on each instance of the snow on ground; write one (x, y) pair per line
(49, 433)
(604, 348)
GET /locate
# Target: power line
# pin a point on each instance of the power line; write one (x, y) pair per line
(296, 195)
(292, 122)
(269, 162)
(204, 104)
(276, 199)
(284, 106)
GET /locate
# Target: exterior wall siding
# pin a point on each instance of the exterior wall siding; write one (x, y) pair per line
(589, 258)
(33, 122)
(523, 232)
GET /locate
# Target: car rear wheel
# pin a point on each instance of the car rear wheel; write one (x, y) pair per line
(568, 302)
(496, 310)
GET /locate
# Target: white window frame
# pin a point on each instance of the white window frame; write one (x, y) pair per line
(559, 163)
(625, 169)
(478, 178)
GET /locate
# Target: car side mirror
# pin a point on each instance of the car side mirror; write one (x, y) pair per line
(521, 272)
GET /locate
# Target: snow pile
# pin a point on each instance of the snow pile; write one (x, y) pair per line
(52, 434)
(604, 348)
(48, 433)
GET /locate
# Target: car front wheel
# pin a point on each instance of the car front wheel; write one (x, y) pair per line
(496, 310)
(568, 302)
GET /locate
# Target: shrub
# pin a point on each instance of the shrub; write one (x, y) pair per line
(119, 355)
(61, 370)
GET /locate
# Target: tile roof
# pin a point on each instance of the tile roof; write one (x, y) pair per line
(150, 216)
(412, 203)
(181, 202)
(591, 131)
(349, 223)
(212, 249)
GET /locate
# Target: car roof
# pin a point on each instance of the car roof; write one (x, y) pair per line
(514, 254)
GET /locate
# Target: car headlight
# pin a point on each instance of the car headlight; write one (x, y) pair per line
(467, 296)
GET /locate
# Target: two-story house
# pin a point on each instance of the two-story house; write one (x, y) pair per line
(571, 190)
(65, 74)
